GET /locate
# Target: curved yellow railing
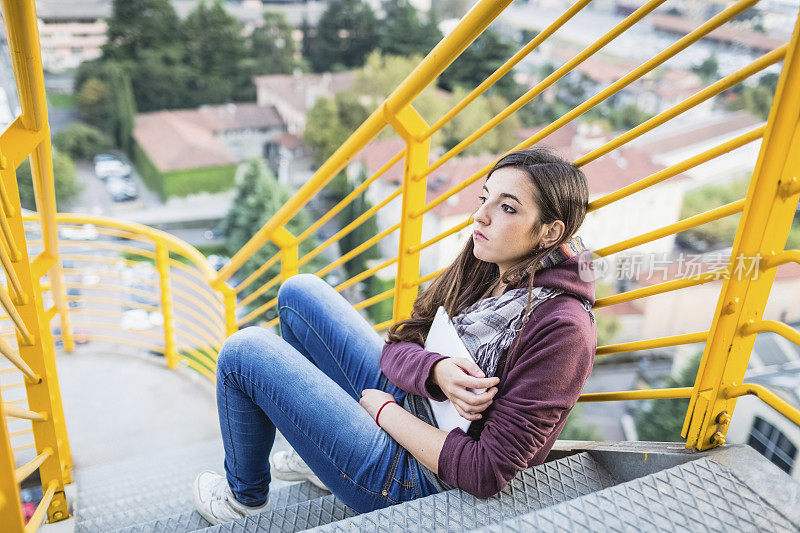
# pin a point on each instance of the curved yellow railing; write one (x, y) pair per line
(198, 307)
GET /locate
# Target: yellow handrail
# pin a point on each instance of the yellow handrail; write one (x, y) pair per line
(200, 308)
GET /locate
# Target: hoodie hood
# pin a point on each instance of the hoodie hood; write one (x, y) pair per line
(565, 276)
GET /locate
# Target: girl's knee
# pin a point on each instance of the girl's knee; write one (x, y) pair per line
(299, 285)
(239, 345)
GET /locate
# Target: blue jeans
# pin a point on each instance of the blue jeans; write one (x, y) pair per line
(307, 384)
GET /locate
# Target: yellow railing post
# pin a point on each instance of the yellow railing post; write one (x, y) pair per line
(10, 503)
(23, 41)
(410, 125)
(762, 231)
(162, 264)
(43, 396)
(289, 252)
(229, 299)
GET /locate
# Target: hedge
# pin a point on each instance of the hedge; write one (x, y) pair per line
(183, 182)
(151, 176)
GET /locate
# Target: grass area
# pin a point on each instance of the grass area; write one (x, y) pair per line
(61, 101)
(212, 249)
(208, 179)
(130, 256)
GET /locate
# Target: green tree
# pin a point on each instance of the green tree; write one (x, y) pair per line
(330, 122)
(81, 141)
(272, 46)
(161, 80)
(576, 428)
(479, 112)
(258, 197)
(382, 73)
(66, 185)
(345, 34)
(93, 103)
(718, 233)
(403, 33)
(361, 233)
(105, 100)
(619, 119)
(478, 62)
(662, 420)
(215, 50)
(757, 100)
(608, 326)
(138, 25)
(708, 70)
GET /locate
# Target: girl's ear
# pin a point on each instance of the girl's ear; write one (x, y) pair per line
(553, 232)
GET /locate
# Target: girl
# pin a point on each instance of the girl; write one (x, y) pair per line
(356, 410)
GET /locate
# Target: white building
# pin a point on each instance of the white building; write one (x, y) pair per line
(775, 364)
(71, 31)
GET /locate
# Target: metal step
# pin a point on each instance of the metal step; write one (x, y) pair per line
(142, 488)
(190, 520)
(454, 510)
(700, 495)
(293, 518)
(152, 489)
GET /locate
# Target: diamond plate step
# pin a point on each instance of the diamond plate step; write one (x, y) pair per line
(146, 480)
(535, 488)
(141, 488)
(700, 495)
(190, 520)
(293, 518)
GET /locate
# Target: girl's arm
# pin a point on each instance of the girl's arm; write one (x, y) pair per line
(422, 440)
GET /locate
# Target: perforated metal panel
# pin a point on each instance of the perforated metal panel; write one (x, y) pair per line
(454, 510)
(700, 495)
(298, 517)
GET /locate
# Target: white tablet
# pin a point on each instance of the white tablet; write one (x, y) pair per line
(443, 338)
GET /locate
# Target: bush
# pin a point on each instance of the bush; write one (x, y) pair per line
(383, 310)
(67, 186)
(82, 141)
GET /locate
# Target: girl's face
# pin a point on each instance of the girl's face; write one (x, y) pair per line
(503, 231)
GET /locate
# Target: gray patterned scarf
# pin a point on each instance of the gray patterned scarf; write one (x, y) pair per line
(489, 326)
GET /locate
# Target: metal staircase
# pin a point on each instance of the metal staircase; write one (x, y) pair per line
(585, 487)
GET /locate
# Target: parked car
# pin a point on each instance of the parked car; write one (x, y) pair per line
(107, 165)
(73, 304)
(80, 336)
(86, 232)
(139, 319)
(121, 190)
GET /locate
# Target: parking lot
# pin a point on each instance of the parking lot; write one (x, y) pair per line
(96, 200)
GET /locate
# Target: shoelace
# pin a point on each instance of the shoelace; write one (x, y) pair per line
(218, 491)
(293, 461)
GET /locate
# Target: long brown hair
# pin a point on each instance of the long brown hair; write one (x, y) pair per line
(560, 192)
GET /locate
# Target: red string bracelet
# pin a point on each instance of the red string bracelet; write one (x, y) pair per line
(381, 409)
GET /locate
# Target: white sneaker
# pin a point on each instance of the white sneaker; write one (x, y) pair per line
(289, 466)
(214, 500)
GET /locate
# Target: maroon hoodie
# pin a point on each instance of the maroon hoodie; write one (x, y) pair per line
(540, 382)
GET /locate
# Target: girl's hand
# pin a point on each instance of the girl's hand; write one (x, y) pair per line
(372, 399)
(454, 374)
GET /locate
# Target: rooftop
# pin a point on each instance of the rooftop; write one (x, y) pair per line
(184, 139)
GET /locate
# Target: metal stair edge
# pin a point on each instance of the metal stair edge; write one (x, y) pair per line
(682, 497)
(540, 486)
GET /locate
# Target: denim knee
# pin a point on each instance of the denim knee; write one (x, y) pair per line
(298, 285)
(237, 346)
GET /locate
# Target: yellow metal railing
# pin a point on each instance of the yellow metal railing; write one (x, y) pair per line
(199, 308)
